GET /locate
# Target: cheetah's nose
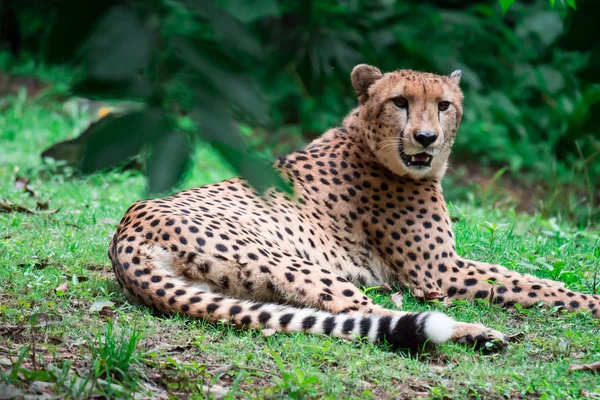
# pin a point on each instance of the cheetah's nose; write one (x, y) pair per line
(425, 138)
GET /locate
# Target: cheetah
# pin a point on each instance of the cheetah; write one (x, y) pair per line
(367, 210)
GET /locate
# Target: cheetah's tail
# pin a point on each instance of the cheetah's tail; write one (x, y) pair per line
(172, 295)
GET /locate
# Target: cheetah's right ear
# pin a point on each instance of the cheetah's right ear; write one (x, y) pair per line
(455, 76)
(362, 77)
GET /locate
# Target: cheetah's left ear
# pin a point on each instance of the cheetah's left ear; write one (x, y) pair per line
(455, 76)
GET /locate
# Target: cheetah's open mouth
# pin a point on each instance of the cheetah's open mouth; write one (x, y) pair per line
(420, 160)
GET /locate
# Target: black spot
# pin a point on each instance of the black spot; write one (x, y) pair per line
(211, 307)
(383, 330)
(348, 326)
(329, 325)
(574, 304)
(308, 322)
(348, 293)
(325, 297)
(365, 326)
(289, 276)
(224, 282)
(285, 319)
(235, 310)
(264, 317)
(326, 281)
(470, 282)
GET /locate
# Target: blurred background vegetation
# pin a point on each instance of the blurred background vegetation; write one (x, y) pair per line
(259, 78)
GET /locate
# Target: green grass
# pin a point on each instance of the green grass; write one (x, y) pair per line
(52, 343)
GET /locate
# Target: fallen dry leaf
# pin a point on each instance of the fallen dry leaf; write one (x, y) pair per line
(106, 312)
(268, 332)
(421, 295)
(434, 296)
(43, 205)
(62, 288)
(100, 304)
(585, 367)
(10, 392)
(7, 206)
(222, 369)
(214, 391)
(386, 288)
(23, 185)
(397, 299)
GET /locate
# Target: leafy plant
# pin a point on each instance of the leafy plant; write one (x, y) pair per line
(115, 355)
(296, 384)
(145, 52)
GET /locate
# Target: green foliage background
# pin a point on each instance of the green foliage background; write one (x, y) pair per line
(275, 74)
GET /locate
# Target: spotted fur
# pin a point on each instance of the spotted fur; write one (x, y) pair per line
(360, 216)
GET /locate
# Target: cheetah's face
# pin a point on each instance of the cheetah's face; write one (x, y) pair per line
(409, 119)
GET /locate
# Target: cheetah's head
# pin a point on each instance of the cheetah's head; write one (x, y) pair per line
(409, 118)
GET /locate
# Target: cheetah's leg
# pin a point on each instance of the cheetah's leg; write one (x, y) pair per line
(148, 274)
(472, 279)
(491, 268)
(277, 276)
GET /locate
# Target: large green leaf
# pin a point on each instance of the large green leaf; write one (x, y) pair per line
(73, 24)
(137, 87)
(115, 139)
(218, 128)
(250, 11)
(237, 88)
(230, 32)
(505, 4)
(170, 158)
(119, 47)
(591, 72)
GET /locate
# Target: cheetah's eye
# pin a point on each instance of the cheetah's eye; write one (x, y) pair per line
(400, 102)
(443, 105)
